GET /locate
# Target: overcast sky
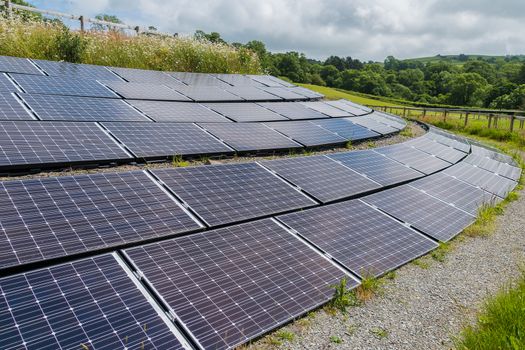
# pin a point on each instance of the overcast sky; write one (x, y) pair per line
(364, 29)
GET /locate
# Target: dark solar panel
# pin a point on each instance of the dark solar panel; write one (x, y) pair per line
(161, 140)
(327, 109)
(427, 145)
(356, 105)
(33, 143)
(72, 108)
(389, 119)
(198, 79)
(245, 112)
(233, 284)
(12, 109)
(377, 167)
(76, 70)
(359, 237)
(494, 166)
(162, 111)
(6, 85)
(36, 84)
(321, 177)
(415, 159)
(285, 93)
(353, 110)
(345, 128)
(268, 80)
(145, 76)
(373, 125)
(207, 93)
(251, 93)
(306, 92)
(237, 80)
(423, 212)
(458, 193)
(222, 194)
(250, 136)
(18, 65)
(483, 150)
(60, 216)
(460, 145)
(292, 110)
(145, 91)
(88, 304)
(307, 133)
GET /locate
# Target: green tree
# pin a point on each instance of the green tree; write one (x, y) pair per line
(514, 100)
(331, 75)
(485, 69)
(212, 37)
(467, 89)
(106, 18)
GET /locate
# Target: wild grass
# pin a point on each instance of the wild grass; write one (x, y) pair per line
(335, 339)
(439, 254)
(285, 335)
(343, 297)
(369, 287)
(178, 162)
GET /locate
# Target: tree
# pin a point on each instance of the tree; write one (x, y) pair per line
(331, 75)
(410, 77)
(212, 37)
(106, 18)
(520, 79)
(337, 62)
(23, 14)
(467, 89)
(485, 69)
(514, 100)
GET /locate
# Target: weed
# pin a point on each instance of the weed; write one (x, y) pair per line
(369, 287)
(370, 144)
(349, 145)
(351, 329)
(84, 347)
(343, 297)
(285, 335)
(379, 332)
(274, 341)
(440, 252)
(485, 221)
(422, 263)
(178, 162)
(391, 275)
(335, 339)
(406, 132)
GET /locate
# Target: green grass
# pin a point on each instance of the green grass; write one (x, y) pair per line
(369, 287)
(343, 297)
(335, 339)
(336, 94)
(285, 335)
(379, 332)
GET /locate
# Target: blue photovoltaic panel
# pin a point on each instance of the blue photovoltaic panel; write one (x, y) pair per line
(494, 166)
(388, 119)
(60, 216)
(161, 140)
(87, 304)
(238, 80)
(11, 64)
(198, 79)
(353, 110)
(321, 177)
(293, 110)
(427, 145)
(327, 109)
(373, 125)
(145, 76)
(145, 91)
(76, 70)
(285, 93)
(428, 214)
(233, 284)
(356, 105)
(448, 139)
(305, 92)
(377, 167)
(268, 80)
(346, 129)
(163, 111)
(307, 133)
(12, 109)
(6, 85)
(245, 112)
(207, 93)
(222, 194)
(479, 149)
(364, 240)
(251, 93)
(413, 158)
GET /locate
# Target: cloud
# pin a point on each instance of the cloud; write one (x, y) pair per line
(366, 29)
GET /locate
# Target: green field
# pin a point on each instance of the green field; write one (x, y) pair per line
(454, 59)
(336, 94)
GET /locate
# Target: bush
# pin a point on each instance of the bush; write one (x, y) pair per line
(70, 46)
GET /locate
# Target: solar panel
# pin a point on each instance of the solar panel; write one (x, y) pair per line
(388, 119)
(18, 65)
(87, 304)
(353, 110)
(12, 109)
(285, 93)
(306, 92)
(32, 143)
(356, 105)
(458, 193)
(250, 136)
(145, 91)
(233, 284)
(415, 159)
(71, 108)
(292, 110)
(36, 84)
(373, 125)
(145, 76)
(207, 93)
(227, 193)
(377, 167)
(161, 140)
(198, 79)
(427, 145)
(307, 133)
(494, 166)
(444, 138)
(423, 212)
(346, 129)
(54, 217)
(76, 70)
(321, 177)
(237, 80)
(268, 80)
(244, 112)
(162, 111)
(251, 93)
(486, 151)
(327, 109)
(364, 240)
(6, 85)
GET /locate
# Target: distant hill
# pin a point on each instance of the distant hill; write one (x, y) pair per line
(462, 58)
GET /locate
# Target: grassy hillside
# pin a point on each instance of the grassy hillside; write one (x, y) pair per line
(456, 59)
(336, 94)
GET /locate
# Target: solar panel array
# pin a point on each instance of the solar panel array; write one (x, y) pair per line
(250, 93)
(245, 112)
(6, 85)
(307, 133)
(374, 125)
(427, 145)
(145, 76)
(494, 166)
(11, 108)
(414, 158)
(293, 110)
(18, 65)
(75, 70)
(145, 91)
(327, 109)
(345, 128)
(162, 111)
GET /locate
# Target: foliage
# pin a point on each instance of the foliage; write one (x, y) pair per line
(107, 18)
(343, 297)
(69, 46)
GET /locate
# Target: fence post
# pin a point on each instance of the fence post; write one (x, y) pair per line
(82, 23)
(445, 116)
(512, 117)
(404, 111)
(8, 7)
(490, 120)
(466, 119)
(424, 112)
(137, 29)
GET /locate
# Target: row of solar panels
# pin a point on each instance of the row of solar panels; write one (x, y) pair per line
(37, 144)
(223, 287)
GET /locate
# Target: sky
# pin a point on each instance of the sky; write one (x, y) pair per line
(364, 29)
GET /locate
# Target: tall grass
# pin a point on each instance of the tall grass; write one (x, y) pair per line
(53, 41)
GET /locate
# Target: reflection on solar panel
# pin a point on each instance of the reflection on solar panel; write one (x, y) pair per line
(373, 125)
(206, 93)
(443, 138)
(249, 136)
(356, 105)
(458, 193)
(285, 93)
(162, 111)
(415, 159)
(233, 284)
(480, 149)
(59, 216)
(427, 145)
(488, 181)
(388, 119)
(326, 109)
(244, 112)
(145, 76)
(307, 133)
(251, 93)
(36, 84)
(18, 65)
(12, 109)
(77, 71)
(494, 166)
(268, 80)
(222, 194)
(345, 128)
(377, 167)
(87, 304)
(362, 239)
(161, 140)
(198, 79)
(29, 143)
(306, 92)
(6, 85)
(321, 177)
(145, 91)
(237, 80)
(71, 108)
(423, 212)
(351, 109)
(292, 110)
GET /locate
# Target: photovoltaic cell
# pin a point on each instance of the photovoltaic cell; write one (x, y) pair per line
(307, 133)
(267, 80)
(145, 76)
(11, 64)
(377, 167)
(494, 166)
(31, 143)
(161, 140)
(364, 240)
(6, 85)
(373, 125)
(198, 79)
(86, 304)
(76, 70)
(286, 93)
(222, 194)
(388, 119)
(85, 109)
(356, 105)
(163, 111)
(233, 284)
(245, 112)
(145, 91)
(327, 109)
(249, 136)
(207, 93)
(12, 109)
(292, 110)
(321, 177)
(483, 150)
(54, 217)
(306, 92)
(346, 129)
(427, 145)
(459, 144)
(251, 93)
(237, 80)
(353, 110)
(437, 219)
(415, 159)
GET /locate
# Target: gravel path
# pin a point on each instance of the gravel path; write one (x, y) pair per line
(428, 302)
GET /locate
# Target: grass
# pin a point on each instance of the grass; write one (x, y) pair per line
(439, 254)
(335, 339)
(285, 335)
(379, 332)
(343, 297)
(369, 287)
(178, 162)
(336, 94)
